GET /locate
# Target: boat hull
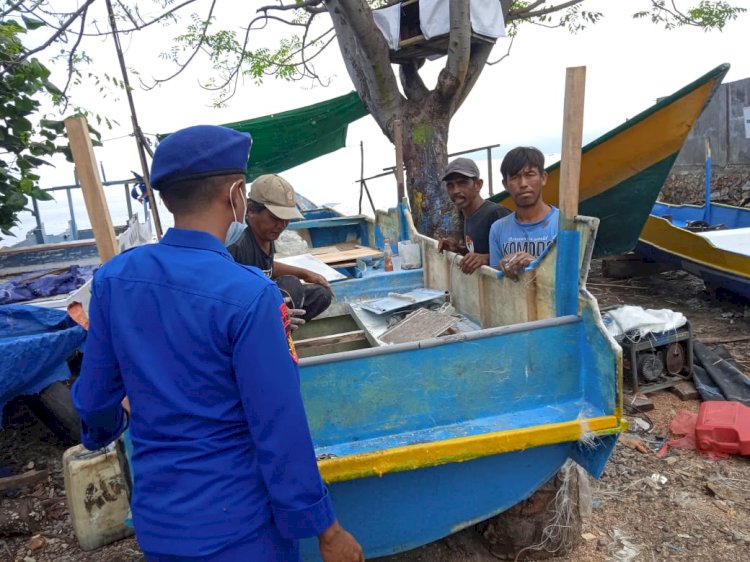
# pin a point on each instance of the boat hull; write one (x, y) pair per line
(403, 510)
(665, 240)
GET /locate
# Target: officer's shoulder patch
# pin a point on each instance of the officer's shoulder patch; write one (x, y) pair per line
(284, 311)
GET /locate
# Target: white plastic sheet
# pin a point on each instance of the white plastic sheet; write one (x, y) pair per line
(639, 321)
(388, 21)
(486, 18)
(136, 234)
(310, 262)
(434, 17)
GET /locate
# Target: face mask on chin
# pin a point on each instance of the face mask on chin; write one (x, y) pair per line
(236, 228)
(234, 232)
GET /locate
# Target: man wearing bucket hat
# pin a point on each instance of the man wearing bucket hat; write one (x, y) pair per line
(223, 463)
(271, 205)
(462, 182)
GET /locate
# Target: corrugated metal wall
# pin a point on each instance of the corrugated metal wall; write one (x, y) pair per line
(726, 123)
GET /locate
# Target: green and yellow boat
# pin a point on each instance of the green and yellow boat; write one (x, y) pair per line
(623, 171)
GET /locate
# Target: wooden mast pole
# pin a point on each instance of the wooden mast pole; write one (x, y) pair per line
(567, 274)
(134, 118)
(570, 159)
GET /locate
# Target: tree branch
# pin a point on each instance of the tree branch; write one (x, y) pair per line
(512, 15)
(675, 12)
(308, 69)
(480, 53)
(12, 8)
(520, 12)
(137, 26)
(158, 18)
(367, 58)
(411, 81)
(306, 5)
(459, 50)
(71, 55)
(184, 65)
(55, 36)
(505, 56)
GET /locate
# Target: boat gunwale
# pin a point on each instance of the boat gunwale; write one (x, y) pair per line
(461, 449)
(439, 341)
(701, 206)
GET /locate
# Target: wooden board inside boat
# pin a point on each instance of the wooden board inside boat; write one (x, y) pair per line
(344, 253)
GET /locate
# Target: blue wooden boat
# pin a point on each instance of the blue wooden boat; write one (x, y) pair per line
(711, 243)
(420, 439)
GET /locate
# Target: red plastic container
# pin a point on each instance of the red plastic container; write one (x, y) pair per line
(723, 427)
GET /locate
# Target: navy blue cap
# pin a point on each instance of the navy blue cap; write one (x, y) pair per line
(200, 152)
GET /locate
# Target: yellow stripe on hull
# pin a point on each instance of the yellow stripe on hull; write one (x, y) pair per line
(634, 149)
(663, 235)
(422, 455)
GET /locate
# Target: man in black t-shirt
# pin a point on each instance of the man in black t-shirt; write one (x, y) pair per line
(270, 206)
(461, 179)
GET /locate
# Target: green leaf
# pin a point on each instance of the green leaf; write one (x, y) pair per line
(32, 24)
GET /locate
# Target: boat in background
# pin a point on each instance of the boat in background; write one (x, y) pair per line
(713, 243)
(623, 171)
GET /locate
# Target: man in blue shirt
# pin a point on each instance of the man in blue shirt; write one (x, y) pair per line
(223, 462)
(524, 235)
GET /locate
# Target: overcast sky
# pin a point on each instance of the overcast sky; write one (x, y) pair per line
(630, 63)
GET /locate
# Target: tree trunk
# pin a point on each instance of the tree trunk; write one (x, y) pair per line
(425, 157)
(546, 525)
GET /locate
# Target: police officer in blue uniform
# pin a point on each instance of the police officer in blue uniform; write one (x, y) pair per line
(223, 462)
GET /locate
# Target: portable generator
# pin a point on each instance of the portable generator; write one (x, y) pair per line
(657, 360)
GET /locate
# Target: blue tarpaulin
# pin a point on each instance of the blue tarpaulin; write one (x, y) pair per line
(32, 286)
(35, 344)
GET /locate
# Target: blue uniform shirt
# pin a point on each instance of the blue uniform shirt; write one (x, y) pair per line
(221, 440)
(508, 236)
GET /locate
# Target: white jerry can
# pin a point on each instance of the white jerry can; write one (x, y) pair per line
(97, 495)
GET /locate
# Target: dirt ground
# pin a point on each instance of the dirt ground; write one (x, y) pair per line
(681, 507)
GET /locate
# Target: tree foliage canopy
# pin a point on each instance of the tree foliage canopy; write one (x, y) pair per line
(24, 140)
(61, 34)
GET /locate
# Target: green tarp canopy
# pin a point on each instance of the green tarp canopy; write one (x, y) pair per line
(284, 140)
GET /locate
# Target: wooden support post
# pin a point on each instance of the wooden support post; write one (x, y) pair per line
(91, 186)
(567, 274)
(570, 160)
(483, 306)
(448, 275)
(398, 140)
(532, 312)
(489, 171)
(361, 173)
